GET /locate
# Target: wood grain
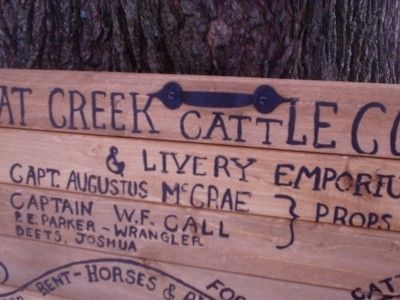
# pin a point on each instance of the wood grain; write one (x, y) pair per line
(322, 254)
(377, 124)
(160, 196)
(56, 256)
(252, 191)
(26, 294)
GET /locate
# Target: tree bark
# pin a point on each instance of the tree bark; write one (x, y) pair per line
(349, 40)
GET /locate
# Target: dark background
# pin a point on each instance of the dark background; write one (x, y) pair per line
(349, 40)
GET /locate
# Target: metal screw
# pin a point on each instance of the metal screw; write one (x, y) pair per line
(262, 100)
(171, 95)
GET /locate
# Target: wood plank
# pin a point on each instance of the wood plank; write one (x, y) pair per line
(79, 164)
(25, 295)
(215, 285)
(333, 117)
(321, 254)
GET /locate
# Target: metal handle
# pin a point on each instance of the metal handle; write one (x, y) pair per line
(265, 99)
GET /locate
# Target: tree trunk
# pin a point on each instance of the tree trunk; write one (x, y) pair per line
(350, 40)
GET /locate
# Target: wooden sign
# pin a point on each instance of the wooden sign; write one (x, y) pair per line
(147, 186)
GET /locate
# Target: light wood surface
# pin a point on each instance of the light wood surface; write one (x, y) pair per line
(29, 263)
(321, 254)
(300, 202)
(376, 124)
(338, 201)
(26, 294)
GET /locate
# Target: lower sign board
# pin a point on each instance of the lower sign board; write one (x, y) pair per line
(79, 274)
(324, 255)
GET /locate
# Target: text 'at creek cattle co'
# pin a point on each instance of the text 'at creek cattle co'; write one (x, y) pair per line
(100, 110)
(172, 187)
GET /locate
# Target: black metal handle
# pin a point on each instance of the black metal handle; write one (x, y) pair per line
(265, 99)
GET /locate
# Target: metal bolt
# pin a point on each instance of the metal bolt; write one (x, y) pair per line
(171, 95)
(262, 100)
